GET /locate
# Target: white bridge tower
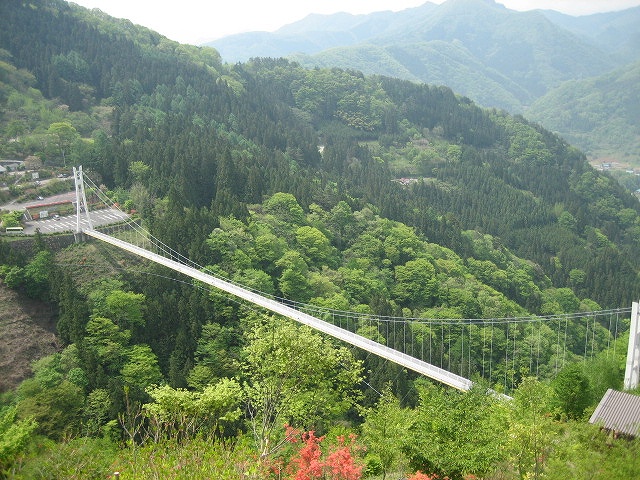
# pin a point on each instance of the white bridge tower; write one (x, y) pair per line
(632, 372)
(81, 202)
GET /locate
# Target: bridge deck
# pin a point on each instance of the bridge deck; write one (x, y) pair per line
(371, 346)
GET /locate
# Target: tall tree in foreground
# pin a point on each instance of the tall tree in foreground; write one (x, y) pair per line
(14, 436)
(386, 430)
(295, 376)
(531, 428)
(457, 433)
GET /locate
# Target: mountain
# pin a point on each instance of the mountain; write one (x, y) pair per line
(600, 114)
(313, 34)
(197, 139)
(614, 32)
(439, 62)
(496, 56)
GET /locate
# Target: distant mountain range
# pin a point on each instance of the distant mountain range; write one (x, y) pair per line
(496, 56)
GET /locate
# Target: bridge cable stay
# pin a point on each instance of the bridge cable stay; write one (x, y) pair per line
(411, 363)
(313, 316)
(511, 338)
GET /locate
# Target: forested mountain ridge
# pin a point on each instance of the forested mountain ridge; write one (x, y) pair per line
(221, 137)
(612, 31)
(499, 57)
(351, 192)
(599, 113)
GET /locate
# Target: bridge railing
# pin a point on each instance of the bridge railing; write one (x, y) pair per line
(436, 348)
(379, 349)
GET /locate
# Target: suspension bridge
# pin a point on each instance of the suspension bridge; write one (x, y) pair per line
(450, 351)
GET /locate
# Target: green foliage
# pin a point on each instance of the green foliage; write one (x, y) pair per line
(15, 435)
(199, 459)
(585, 451)
(294, 280)
(107, 342)
(605, 371)
(315, 246)
(34, 277)
(482, 170)
(141, 368)
(96, 412)
(36, 274)
(13, 277)
(416, 283)
(457, 434)
(285, 208)
(294, 375)
(597, 114)
(527, 145)
(11, 219)
(216, 356)
(500, 218)
(56, 409)
(178, 414)
(139, 171)
(572, 391)
(76, 458)
(386, 429)
(64, 135)
(532, 432)
(126, 309)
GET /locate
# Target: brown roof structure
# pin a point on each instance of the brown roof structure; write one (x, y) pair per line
(619, 412)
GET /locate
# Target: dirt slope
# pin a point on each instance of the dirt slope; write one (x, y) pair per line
(27, 333)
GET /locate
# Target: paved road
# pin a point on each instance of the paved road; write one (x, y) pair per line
(67, 223)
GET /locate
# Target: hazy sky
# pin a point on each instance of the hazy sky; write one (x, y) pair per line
(197, 21)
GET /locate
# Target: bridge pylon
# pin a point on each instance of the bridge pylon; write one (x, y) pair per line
(632, 371)
(81, 203)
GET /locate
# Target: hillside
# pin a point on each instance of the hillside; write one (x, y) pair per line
(181, 126)
(436, 62)
(28, 332)
(600, 114)
(512, 57)
(495, 56)
(615, 32)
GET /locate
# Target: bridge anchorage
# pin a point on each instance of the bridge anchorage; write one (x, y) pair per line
(436, 328)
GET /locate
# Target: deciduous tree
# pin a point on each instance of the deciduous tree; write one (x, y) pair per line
(64, 135)
(457, 433)
(14, 436)
(294, 375)
(385, 430)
